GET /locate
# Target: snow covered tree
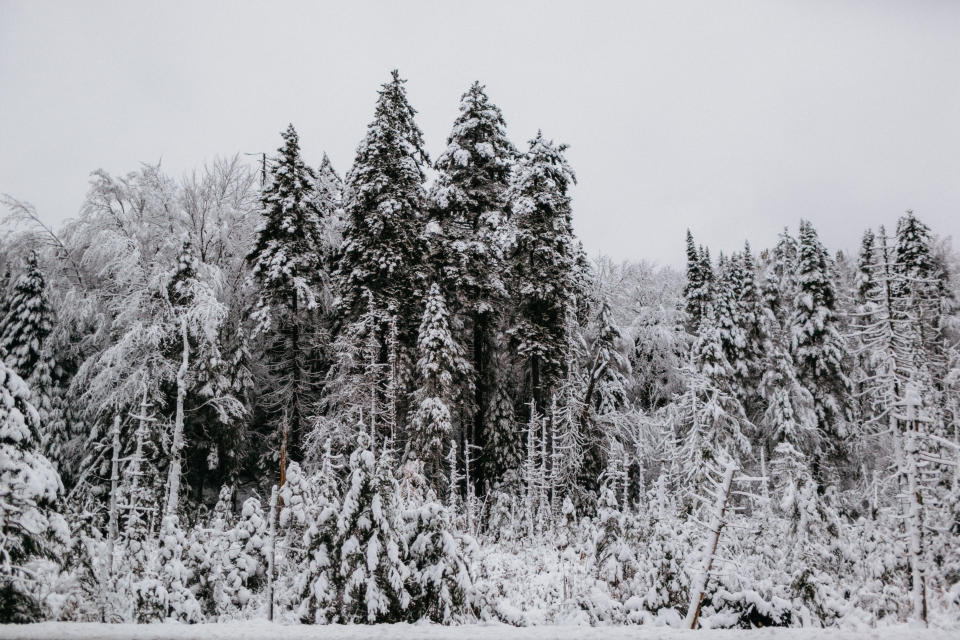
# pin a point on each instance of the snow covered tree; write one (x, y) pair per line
(315, 582)
(921, 284)
(384, 201)
(24, 329)
(244, 563)
(708, 417)
(697, 291)
(440, 364)
(176, 578)
(29, 490)
(731, 322)
(286, 264)
(543, 258)
(615, 554)
(439, 579)
(328, 199)
(816, 344)
(502, 436)
(470, 209)
(369, 569)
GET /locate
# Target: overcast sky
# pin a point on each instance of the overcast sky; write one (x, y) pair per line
(731, 118)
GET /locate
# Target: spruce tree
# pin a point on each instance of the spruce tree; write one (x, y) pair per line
(697, 289)
(328, 199)
(921, 285)
(816, 344)
(29, 490)
(369, 572)
(470, 208)
(28, 322)
(543, 258)
(286, 266)
(439, 575)
(381, 259)
(439, 366)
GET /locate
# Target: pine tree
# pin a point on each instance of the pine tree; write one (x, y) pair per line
(708, 416)
(244, 563)
(316, 581)
(28, 322)
(921, 284)
(866, 264)
(328, 200)
(503, 438)
(616, 561)
(543, 258)
(439, 580)
(750, 314)
(816, 344)
(697, 291)
(470, 211)
(286, 263)
(384, 202)
(731, 323)
(29, 490)
(369, 570)
(440, 364)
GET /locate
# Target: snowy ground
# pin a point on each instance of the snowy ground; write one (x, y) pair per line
(267, 631)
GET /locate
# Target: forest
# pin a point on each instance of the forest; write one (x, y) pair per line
(263, 391)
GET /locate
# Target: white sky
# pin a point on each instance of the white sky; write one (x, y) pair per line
(732, 118)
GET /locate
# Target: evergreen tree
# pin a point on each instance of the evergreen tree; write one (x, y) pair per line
(921, 284)
(470, 209)
(697, 291)
(328, 199)
(543, 258)
(731, 323)
(750, 314)
(384, 200)
(369, 570)
(503, 438)
(708, 416)
(28, 322)
(816, 344)
(439, 577)
(866, 264)
(286, 263)
(440, 364)
(29, 490)
(315, 582)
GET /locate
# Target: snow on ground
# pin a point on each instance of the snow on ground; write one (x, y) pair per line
(267, 631)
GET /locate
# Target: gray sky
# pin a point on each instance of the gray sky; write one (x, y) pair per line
(732, 118)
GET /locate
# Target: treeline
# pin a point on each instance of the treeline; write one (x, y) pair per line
(240, 395)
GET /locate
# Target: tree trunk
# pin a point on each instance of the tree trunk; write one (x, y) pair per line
(114, 480)
(271, 551)
(176, 450)
(699, 584)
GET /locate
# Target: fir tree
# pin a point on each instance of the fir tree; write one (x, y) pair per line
(328, 199)
(440, 364)
(697, 290)
(316, 581)
(384, 201)
(816, 344)
(544, 258)
(866, 264)
(470, 209)
(28, 322)
(439, 580)
(369, 570)
(286, 264)
(29, 490)
(921, 284)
